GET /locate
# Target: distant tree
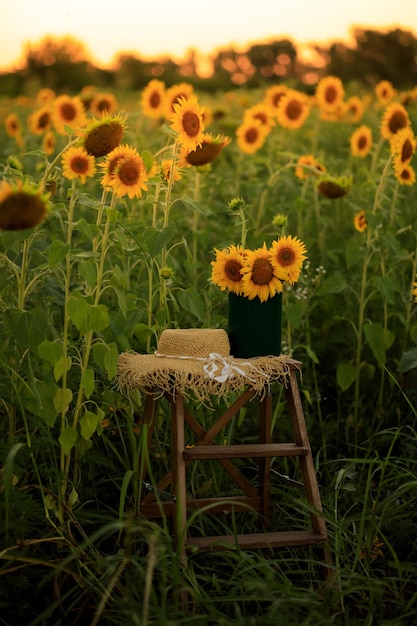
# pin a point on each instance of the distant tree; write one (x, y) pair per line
(51, 50)
(273, 59)
(59, 63)
(377, 55)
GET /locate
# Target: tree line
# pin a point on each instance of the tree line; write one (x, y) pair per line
(62, 64)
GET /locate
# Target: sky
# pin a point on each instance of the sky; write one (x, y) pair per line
(154, 28)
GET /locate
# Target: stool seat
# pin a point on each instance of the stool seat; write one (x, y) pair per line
(252, 498)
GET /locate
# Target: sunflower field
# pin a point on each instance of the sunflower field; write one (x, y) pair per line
(125, 214)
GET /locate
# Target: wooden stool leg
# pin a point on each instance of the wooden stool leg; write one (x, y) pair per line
(311, 487)
(265, 437)
(178, 475)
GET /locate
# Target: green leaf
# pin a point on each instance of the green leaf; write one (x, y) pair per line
(88, 424)
(195, 206)
(62, 400)
(142, 331)
(294, 313)
(156, 239)
(50, 351)
(408, 360)
(98, 316)
(345, 376)
(333, 284)
(78, 309)
(387, 286)
(354, 253)
(106, 356)
(27, 328)
(190, 300)
(88, 271)
(57, 252)
(375, 336)
(61, 366)
(88, 382)
(68, 439)
(313, 356)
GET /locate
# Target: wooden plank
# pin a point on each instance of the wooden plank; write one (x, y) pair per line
(250, 450)
(256, 540)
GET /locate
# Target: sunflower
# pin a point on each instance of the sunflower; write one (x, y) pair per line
(173, 95)
(49, 142)
(22, 206)
(77, 163)
(111, 161)
(361, 141)
(394, 119)
(103, 104)
(403, 145)
(353, 109)
(262, 112)
(293, 109)
(273, 96)
(187, 121)
(45, 96)
(414, 292)
(211, 147)
(360, 222)
(166, 167)
(153, 99)
(404, 173)
(227, 267)
(251, 136)
(288, 254)
(129, 176)
(329, 94)
(306, 165)
(40, 121)
(261, 277)
(384, 91)
(104, 135)
(334, 187)
(13, 125)
(67, 111)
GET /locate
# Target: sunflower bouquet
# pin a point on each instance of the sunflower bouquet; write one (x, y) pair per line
(259, 273)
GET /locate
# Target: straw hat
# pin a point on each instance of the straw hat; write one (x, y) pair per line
(197, 360)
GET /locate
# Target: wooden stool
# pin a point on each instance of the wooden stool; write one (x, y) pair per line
(253, 499)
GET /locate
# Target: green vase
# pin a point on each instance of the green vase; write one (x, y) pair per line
(255, 326)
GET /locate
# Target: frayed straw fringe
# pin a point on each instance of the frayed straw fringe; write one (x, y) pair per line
(204, 377)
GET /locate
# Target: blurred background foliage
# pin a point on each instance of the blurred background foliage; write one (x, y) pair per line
(63, 65)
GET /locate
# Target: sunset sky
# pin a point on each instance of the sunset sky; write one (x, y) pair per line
(150, 28)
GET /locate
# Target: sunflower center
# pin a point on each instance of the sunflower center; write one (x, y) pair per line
(191, 123)
(79, 165)
(286, 257)
(44, 120)
(362, 142)
(251, 135)
(68, 111)
(262, 271)
(103, 139)
(232, 270)
(405, 174)
(294, 109)
(129, 172)
(155, 100)
(397, 122)
(331, 95)
(261, 117)
(407, 151)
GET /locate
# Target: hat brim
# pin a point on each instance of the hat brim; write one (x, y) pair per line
(214, 375)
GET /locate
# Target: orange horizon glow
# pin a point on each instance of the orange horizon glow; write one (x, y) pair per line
(171, 30)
